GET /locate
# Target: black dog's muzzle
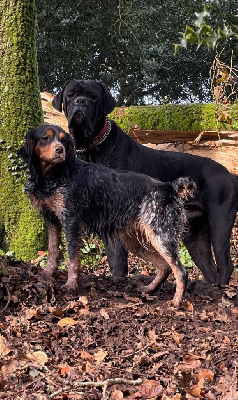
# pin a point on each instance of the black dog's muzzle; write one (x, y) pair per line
(80, 115)
(81, 101)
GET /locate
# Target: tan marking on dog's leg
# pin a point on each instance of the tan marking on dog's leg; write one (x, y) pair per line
(53, 249)
(73, 274)
(180, 280)
(162, 268)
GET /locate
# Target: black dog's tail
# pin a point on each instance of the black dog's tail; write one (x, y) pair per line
(185, 188)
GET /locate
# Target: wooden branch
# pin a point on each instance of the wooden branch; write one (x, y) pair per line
(104, 384)
(145, 136)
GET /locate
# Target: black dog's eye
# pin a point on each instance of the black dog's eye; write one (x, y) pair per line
(70, 94)
(93, 97)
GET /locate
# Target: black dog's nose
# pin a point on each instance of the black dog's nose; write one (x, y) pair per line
(59, 149)
(81, 101)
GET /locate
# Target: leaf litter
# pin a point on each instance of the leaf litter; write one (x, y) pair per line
(110, 342)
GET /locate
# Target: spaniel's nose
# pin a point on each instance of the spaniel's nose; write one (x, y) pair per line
(59, 149)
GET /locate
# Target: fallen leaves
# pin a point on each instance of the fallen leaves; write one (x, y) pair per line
(191, 377)
(38, 357)
(97, 344)
(149, 389)
(104, 313)
(4, 347)
(176, 336)
(100, 355)
(67, 322)
(197, 388)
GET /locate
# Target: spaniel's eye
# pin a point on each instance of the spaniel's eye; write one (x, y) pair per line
(45, 138)
(93, 97)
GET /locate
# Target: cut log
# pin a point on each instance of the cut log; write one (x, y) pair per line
(221, 147)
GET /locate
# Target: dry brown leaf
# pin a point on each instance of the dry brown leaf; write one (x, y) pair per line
(133, 299)
(116, 395)
(224, 116)
(152, 335)
(166, 333)
(67, 322)
(104, 313)
(197, 390)
(176, 397)
(187, 367)
(144, 272)
(9, 368)
(39, 357)
(226, 340)
(58, 312)
(189, 306)
(223, 75)
(176, 336)
(65, 370)
(32, 312)
(100, 355)
(83, 300)
(4, 349)
(192, 360)
(149, 389)
(84, 311)
(86, 356)
(205, 374)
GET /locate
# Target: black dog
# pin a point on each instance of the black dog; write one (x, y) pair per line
(146, 214)
(211, 214)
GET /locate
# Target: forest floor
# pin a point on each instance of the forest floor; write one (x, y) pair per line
(111, 342)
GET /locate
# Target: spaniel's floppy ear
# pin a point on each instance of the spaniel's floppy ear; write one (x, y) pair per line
(26, 151)
(109, 101)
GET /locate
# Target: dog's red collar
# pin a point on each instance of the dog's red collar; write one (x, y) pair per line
(99, 138)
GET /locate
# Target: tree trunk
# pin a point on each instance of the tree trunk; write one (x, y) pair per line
(21, 229)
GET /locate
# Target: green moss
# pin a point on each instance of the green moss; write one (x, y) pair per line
(29, 235)
(22, 229)
(191, 118)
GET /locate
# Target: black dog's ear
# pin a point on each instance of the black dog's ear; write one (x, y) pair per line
(26, 151)
(109, 101)
(58, 101)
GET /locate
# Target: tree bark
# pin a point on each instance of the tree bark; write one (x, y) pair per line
(21, 230)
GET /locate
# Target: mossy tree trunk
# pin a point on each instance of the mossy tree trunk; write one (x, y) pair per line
(21, 229)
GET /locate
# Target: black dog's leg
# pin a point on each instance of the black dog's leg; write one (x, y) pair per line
(221, 235)
(117, 257)
(198, 242)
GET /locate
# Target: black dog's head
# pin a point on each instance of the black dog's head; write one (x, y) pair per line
(86, 104)
(47, 146)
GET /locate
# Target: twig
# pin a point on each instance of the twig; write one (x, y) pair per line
(8, 298)
(104, 384)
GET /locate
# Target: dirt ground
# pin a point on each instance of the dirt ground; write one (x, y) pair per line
(111, 342)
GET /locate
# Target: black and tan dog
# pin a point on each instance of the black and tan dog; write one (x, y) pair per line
(146, 214)
(211, 214)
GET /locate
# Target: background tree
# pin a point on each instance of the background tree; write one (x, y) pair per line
(20, 109)
(223, 73)
(128, 44)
